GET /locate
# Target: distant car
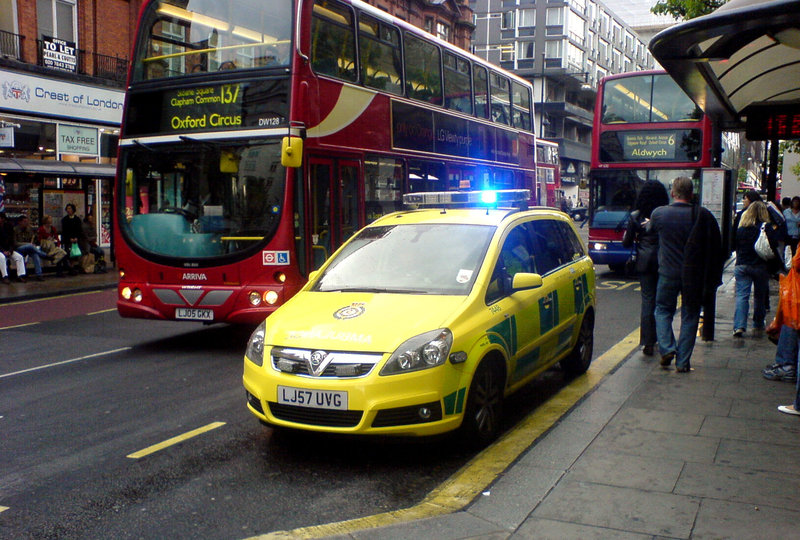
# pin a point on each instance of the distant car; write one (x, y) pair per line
(579, 213)
(426, 320)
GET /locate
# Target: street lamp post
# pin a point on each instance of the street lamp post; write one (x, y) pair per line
(541, 103)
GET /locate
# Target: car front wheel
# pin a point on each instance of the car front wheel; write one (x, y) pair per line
(578, 360)
(484, 411)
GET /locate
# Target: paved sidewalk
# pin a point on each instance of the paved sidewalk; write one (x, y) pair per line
(651, 453)
(55, 286)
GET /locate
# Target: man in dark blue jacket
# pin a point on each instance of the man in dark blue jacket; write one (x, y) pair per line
(689, 264)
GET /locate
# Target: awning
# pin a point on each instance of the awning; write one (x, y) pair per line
(57, 168)
(744, 54)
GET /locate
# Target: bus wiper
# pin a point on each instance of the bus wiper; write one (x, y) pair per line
(140, 144)
(208, 144)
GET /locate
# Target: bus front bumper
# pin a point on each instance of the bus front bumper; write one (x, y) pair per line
(610, 253)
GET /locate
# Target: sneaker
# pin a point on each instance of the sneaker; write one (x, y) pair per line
(739, 332)
(780, 373)
(789, 409)
(682, 369)
(22, 279)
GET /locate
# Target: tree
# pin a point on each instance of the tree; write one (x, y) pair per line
(686, 9)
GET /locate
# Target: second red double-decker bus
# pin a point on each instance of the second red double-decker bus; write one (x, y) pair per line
(645, 128)
(258, 136)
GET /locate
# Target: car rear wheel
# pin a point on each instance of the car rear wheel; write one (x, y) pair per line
(484, 411)
(578, 360)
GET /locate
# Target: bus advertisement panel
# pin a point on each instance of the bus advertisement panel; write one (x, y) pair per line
(259, 136)
(645, 128)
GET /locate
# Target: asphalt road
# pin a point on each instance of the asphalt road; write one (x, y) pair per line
(85, 396)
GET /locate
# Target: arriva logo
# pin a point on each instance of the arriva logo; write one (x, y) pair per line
(194, 276)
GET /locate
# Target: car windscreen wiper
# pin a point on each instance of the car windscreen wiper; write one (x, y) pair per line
(375, 290)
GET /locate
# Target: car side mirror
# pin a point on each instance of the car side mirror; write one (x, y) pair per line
(524, 280)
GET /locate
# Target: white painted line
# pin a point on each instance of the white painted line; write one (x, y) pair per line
(3, 508)
(88, 356)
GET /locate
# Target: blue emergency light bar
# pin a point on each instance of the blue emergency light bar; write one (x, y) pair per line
(467, 198)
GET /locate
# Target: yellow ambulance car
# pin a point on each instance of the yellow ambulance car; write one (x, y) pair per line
(426, 320)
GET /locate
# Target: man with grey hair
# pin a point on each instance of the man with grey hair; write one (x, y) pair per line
(690, 264)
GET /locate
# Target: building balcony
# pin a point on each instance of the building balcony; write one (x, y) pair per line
(11, 45)
(101, 66)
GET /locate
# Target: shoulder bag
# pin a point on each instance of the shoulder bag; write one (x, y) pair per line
(762, 247)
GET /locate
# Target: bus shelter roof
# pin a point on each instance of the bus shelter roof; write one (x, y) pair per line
(56, 168)
(744, 54)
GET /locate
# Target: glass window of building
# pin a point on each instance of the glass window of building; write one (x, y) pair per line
(527, 17)
(555, 16)
(56, 18)
(507, 20)
(443, 31)
(553, 48)
(526, 50)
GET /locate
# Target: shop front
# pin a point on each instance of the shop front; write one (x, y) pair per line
(58, 145)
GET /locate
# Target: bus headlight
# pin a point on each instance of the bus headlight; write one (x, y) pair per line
(255, 298)
(126, 293)
(270, 297)
(255, 346)
(599, 246)
(137, 295)
(420, 352)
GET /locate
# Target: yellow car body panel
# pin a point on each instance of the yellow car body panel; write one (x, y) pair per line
(530, 330)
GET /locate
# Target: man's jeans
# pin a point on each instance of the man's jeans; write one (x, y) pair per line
(786, 355)
(748, 276)
(35, 253)
(666, 304)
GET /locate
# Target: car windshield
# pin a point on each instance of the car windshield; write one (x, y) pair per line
(415, 259)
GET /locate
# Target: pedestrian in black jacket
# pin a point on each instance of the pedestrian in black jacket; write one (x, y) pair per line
(644, 241)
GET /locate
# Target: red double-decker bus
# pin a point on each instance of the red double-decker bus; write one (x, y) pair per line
(258, 136)
(645, 128)
(548, 173)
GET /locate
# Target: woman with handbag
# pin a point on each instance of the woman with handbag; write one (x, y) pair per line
(644, 243)
(751, 271)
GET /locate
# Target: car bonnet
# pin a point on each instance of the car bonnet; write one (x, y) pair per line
(364, 322)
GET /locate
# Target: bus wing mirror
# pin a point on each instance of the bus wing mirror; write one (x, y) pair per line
(292, 152)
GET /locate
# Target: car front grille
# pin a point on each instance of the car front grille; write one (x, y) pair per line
(315, 417)
(339, 364)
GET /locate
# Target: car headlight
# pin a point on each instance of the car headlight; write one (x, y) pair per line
(420, 352)
(600, 247)
(255, 346)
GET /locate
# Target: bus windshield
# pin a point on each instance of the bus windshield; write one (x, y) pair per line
(614, 192)
(182, 37)
(201, 199)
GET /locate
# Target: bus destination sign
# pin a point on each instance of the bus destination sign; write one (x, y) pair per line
(648, 146)
(202, 108)
(772, 122)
